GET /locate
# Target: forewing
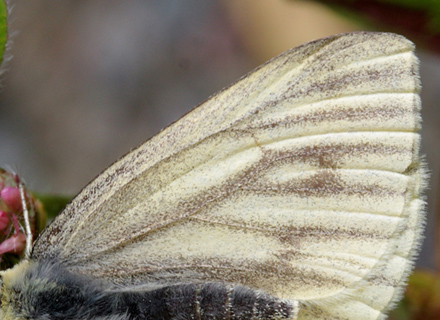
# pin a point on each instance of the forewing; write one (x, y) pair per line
(302, 179)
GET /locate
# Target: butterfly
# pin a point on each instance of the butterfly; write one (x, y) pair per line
(294, 193)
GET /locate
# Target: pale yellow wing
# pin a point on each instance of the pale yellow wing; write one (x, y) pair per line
(302, 179)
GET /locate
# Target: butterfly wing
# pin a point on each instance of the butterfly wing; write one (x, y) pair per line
(302, 179)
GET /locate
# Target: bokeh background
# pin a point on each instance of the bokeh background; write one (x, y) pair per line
(91, 79)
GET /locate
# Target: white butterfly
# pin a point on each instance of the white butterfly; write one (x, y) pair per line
(294, 193)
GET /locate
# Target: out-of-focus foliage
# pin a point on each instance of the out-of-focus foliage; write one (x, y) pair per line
(422, 298)
(53, 204)
(3, 29)
(419, 20)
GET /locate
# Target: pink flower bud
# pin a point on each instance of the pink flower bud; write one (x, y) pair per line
(4, 220)
(14, 244)
(11, 196)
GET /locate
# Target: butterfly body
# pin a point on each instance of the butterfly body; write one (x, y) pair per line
(46, 290)
(300, 184)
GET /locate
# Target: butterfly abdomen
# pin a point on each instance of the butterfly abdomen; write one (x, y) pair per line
(210, 301)
(47, 290)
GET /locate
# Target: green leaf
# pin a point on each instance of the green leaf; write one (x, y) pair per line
(3, 28)
(52, 204)
(422, 298)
